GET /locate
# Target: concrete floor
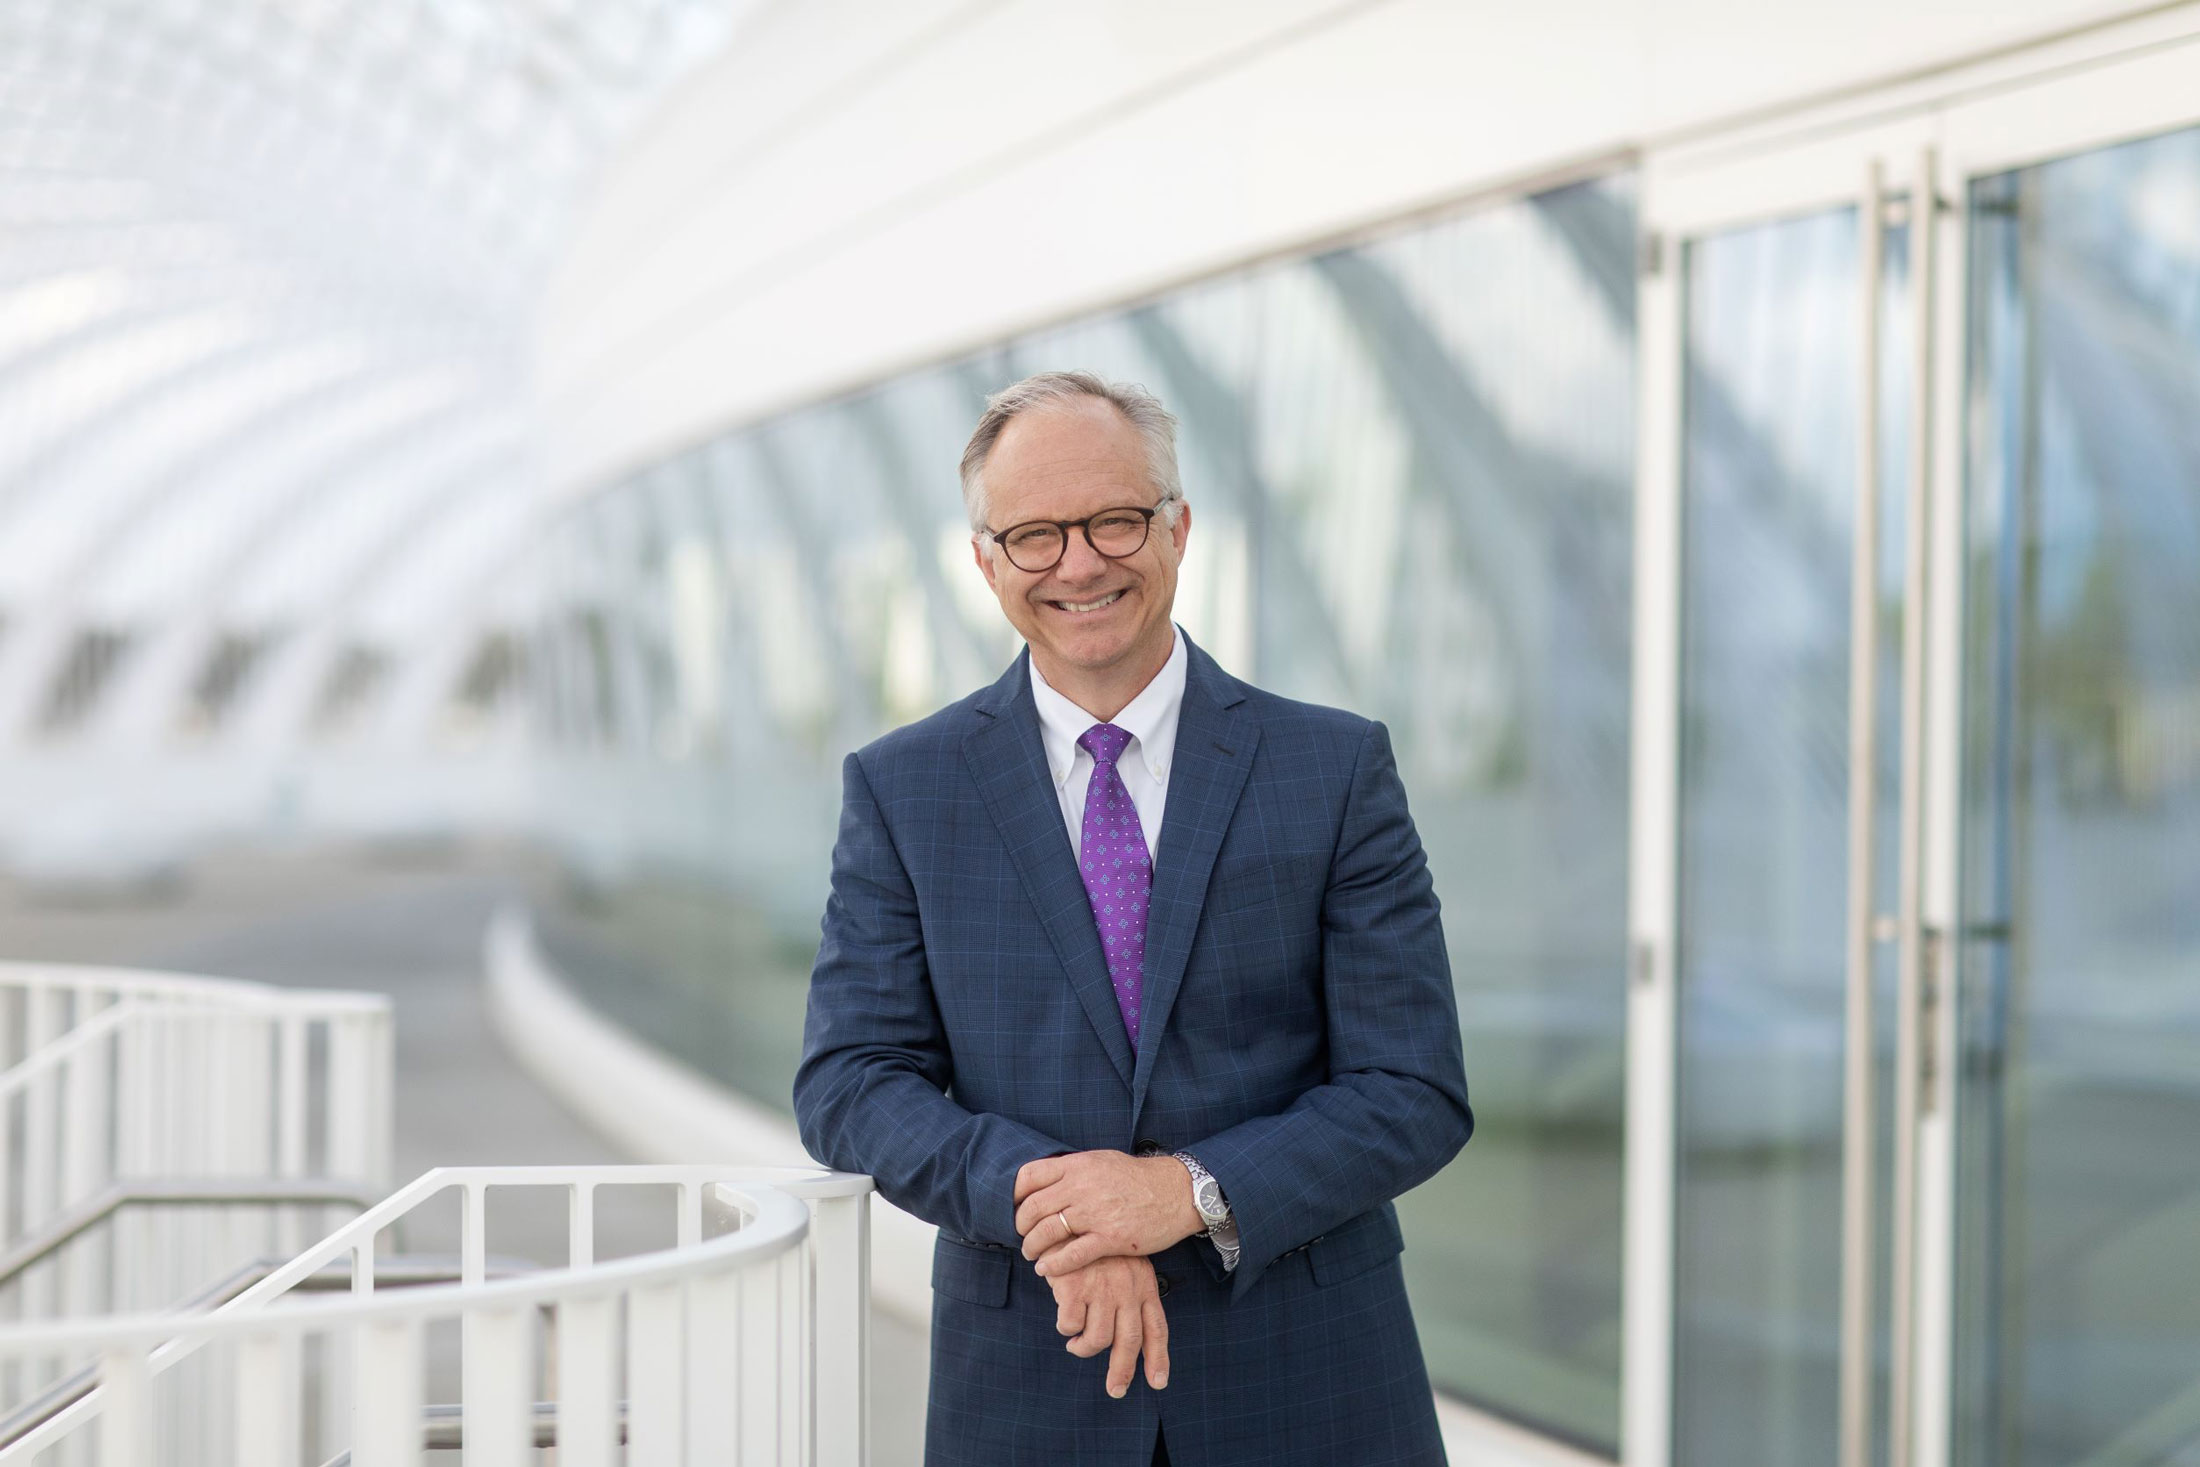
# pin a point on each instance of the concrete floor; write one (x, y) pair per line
(408, 924)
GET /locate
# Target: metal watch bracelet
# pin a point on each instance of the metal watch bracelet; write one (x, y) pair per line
(1222, 1230)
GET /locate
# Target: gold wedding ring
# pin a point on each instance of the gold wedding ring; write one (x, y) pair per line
(1063, 1219)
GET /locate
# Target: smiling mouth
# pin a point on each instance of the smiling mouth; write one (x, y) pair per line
(1082, 607)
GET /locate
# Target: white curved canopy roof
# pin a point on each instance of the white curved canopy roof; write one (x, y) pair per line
(267, 277)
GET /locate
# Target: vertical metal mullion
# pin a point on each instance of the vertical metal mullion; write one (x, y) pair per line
(1940, 854)
(1646, 1390)
(1913, 1096)
(1858, 1126)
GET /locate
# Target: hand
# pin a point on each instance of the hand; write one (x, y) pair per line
(1072, 1211)
(1115, 1305)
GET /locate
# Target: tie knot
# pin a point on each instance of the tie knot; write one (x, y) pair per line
(1105, 742)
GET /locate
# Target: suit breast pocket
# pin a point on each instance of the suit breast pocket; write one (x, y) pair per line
(1286, 883)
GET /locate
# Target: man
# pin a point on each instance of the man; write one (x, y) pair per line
(1132, 981)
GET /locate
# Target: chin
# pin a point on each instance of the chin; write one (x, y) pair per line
(1095, 648)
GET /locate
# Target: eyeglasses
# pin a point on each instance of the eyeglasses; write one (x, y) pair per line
(1039, 545)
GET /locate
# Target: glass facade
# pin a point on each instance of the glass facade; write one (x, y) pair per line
(1411, 462)
(2078, 1319)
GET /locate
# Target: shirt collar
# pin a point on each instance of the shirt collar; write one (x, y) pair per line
(1149, 718)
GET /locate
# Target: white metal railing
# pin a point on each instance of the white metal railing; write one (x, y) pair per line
(114, 1073)
(745, 1341)
(157, 1131)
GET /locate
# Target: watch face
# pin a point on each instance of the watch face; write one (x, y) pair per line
(1208, 1196)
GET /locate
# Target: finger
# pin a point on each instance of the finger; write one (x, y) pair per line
(1157, 1342)
(1069, 1317)
(1048, 1234)
(1033, 1175)
(1039, 1206)
(1085, 1248)
(1051, 1231)
(1099, 1333)
(1123, 1363)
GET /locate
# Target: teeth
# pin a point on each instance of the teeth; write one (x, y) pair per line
(1088, 605)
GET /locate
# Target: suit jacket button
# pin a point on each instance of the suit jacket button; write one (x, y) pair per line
(1149, 1148)
(1162, 1284)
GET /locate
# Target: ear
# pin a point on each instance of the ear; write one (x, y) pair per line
(985, 562)
(1182, 529)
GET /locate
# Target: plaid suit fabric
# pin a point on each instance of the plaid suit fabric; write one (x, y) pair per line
(1299, 1036)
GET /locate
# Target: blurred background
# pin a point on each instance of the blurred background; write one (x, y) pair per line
(470, 455)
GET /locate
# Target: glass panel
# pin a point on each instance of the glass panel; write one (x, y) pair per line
(1897, 401)
(1497, 610)
(1411, 465)
(2079, 1325)
(1769, 489)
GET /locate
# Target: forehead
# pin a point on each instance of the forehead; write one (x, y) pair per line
(1063, 461)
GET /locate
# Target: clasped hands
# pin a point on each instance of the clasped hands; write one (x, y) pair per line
(1091, 1221)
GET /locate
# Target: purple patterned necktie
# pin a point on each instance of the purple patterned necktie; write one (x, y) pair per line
(1117, 868)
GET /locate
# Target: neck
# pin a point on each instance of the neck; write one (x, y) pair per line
(1106, 691)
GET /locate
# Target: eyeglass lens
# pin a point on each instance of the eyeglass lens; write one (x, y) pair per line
(1039, 546)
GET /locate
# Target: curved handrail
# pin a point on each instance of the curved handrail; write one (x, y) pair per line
(796, 1184)
(149, 983)
(780, 1222)
(778, 1302)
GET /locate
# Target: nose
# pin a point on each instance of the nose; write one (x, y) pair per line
(1080, 562)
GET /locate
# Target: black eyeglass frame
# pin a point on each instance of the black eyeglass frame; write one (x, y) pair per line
(1000, 537)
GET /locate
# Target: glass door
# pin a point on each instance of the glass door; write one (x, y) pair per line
(2076, 1330)
(1781, 964)
(1914, 1091)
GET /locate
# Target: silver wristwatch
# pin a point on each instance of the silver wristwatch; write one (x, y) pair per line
(1214, 1209)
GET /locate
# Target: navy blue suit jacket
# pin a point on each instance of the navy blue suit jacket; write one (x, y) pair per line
(1300, 1037)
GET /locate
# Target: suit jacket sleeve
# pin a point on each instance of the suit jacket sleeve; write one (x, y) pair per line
(870, 1095)
(1394, 1108)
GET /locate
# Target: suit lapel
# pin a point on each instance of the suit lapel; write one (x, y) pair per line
(1214, 753)
(1010, 766)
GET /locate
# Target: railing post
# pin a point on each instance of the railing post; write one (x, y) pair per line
(580, 1225)
(84, 1123)
(290, 1119)
(382, 1105)
(495, 1389)
(290, 1104)
(41, 1100)
(126, 1408)
(346, 1105)
(386, 1413)
(44, 1028)
(656, 1412)
(721, 1397)
(587, 1383)
(840, 1228)
(82, 1085)
(473, 1228)
(267, 1401)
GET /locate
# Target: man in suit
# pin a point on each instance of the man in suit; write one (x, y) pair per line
(1132, 981)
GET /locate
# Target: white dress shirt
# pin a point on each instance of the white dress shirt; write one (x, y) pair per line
(1150, 720)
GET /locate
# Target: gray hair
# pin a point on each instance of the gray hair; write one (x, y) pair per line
(1155, 424)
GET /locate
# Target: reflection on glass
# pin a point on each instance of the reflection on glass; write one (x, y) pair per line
(2079, 1322)
(1768, 528)
(1410, 467)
